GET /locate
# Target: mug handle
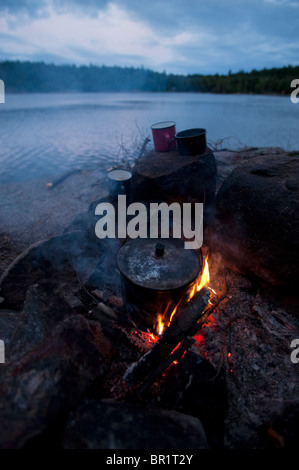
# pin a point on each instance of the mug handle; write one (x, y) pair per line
(173, 139)
(169, 140)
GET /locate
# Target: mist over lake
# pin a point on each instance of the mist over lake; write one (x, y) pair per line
(48, 134)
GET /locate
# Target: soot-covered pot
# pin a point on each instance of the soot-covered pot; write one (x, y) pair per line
(156, 274)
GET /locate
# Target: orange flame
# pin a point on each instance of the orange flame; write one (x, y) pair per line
(160, 325)
(173, 313)
(205, 277)
(202, 281)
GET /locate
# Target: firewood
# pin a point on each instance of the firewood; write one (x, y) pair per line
(184, 324)
(107, 310)
(116, 301)
(97, 293)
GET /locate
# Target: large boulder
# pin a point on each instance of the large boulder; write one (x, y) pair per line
(257, 219)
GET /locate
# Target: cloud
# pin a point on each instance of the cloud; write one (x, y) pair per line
(111, 31)
(110, 34)
(206, 36)
(284, 3)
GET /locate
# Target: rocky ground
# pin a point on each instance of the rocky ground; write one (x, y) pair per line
(235, 388)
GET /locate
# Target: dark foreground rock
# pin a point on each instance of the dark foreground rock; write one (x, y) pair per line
(195, 387)
(51, 360)
(258, 220)
(108, 424)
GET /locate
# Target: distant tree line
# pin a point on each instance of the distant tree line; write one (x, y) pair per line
(40, 77)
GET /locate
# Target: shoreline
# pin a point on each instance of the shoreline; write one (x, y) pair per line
(133, 92)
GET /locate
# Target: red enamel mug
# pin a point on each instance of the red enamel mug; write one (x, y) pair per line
(164, 136)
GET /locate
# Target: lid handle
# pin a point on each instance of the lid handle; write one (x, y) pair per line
(160, 249)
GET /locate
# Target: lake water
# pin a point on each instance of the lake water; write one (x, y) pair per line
(48, 134)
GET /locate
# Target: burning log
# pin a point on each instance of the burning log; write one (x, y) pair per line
(184, 324)
(174, 356)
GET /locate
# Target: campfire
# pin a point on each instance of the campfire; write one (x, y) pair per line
(171, 337)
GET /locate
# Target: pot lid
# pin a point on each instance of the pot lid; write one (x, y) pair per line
(158, 264)
(119, 175)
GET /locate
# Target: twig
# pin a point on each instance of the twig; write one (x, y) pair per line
(143, 147)
(84, 288)
(62, 178)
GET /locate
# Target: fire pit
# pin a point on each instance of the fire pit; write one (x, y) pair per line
(205, 366)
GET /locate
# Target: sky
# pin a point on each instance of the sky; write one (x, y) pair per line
(175, 36)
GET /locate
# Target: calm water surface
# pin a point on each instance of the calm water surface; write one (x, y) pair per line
(47, 134)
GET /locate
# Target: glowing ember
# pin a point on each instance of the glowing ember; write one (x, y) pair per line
(148, 337)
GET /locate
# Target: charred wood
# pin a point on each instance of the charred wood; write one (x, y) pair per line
(184, 324)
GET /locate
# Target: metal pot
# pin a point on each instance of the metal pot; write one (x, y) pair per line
(119, 182)
(155, 275)
(191, 141)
